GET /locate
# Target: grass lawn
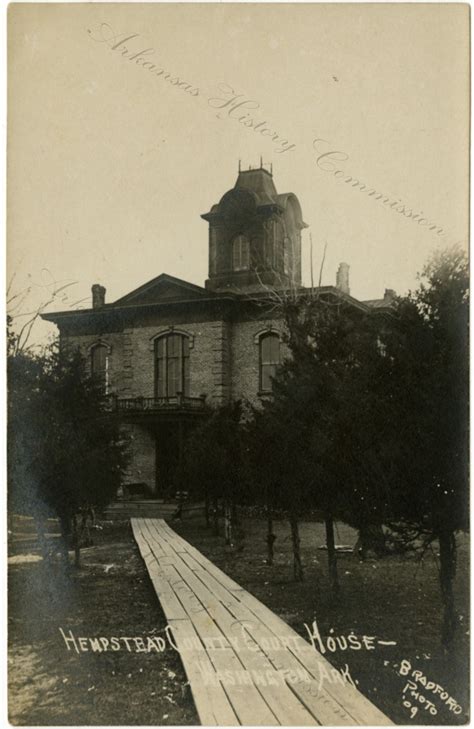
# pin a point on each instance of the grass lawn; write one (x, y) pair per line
(391, 599)
(110, 596)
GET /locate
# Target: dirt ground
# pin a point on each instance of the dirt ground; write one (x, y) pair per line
(111, 596)
(390, 599)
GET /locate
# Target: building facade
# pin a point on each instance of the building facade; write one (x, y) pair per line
(168, 349)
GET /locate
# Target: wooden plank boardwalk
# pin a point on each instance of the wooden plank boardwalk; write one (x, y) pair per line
(244, 664)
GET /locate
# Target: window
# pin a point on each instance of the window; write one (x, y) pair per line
(286, 255)
(99, 365)
(278, 245)
(172, 365)
(268, 252)
(212, 251)
(240, 253)
(269, 359)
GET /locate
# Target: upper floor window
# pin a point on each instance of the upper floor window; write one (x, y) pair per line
(212, 251)
(269, 359)
(286, 255)
(278, 245)
(99, 365)
(240, 253)
(172, 365)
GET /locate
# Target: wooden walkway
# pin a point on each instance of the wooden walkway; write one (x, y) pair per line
(244, 664)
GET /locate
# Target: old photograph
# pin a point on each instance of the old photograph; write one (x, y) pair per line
(238, 364)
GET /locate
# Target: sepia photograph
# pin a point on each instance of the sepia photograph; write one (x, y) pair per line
(238, 364)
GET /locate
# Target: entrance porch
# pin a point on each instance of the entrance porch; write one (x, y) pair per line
(158, 429)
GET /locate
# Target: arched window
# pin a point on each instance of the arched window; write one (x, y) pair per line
(240, 253)
(286, 255)
(99, 365)
(172, 365)
(269, 359)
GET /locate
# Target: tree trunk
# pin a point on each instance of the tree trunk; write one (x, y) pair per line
(65, 525)
(215, 518)
(295, 540)
(85, 535)
(270, 536)
(332, 557)
(227, 523)
(76, 540)
(206, 508)
(40, 525)
(238, 534)
(447, 554)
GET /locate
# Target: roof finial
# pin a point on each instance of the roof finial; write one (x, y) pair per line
(271, 168)
(261, 162)
(239, 164)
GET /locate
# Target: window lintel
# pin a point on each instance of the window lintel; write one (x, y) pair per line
(171, 330)
(264, 332)
(100, 343)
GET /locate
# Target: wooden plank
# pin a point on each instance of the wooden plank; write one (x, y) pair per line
(247, 703)
(287, 709)
(314, 697)
(203, 598)
(169, 602)
(355, 703)
(150, 527)
(212, 704)
(321, 703)
(153, 544)
(165, 533)
(246, 700)
(342, 698)
(355, 707)
(316, 704)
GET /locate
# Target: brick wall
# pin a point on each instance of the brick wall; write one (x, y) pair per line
(117, 375)
(224, 364)
(224, 357)
(131, 363)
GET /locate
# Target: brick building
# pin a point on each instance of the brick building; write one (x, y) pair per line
(166, 348)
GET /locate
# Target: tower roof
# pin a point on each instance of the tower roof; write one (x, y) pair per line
(261, 193)
(260, 182)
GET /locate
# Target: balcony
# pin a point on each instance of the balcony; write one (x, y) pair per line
(148, 407)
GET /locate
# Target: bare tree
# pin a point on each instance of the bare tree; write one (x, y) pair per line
(23, 314)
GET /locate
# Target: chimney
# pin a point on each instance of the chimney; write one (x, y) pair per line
(389, 296)
(98, 296)
(342, 278)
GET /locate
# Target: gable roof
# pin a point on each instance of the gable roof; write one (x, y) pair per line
(162, 288)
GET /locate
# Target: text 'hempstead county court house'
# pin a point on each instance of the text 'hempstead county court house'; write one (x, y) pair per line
(168, 347)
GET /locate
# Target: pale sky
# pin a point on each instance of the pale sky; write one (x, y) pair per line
(110, 165)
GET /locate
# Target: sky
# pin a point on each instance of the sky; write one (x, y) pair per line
(127, 122)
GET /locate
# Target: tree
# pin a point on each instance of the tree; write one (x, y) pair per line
(326, 339)
(369, 418)
(325, 420)
(300, 427)
(274, 472)
(25, 306)
(66, 452)
(263, 468)
(212, 464)
(428, 354)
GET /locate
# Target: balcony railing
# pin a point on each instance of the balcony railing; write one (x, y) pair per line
(157, 404)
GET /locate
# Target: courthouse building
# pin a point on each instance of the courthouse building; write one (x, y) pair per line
(168, 348)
